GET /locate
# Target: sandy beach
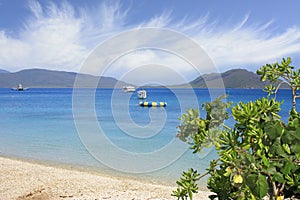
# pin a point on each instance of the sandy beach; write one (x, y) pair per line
(27, 180)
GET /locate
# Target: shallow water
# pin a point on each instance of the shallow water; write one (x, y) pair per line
(39, 124)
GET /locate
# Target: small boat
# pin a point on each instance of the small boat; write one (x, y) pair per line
(19, 88)
(152, 104)
(142, 94)
(128, 88)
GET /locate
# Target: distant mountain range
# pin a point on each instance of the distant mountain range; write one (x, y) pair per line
(40, 78)
(3, 71)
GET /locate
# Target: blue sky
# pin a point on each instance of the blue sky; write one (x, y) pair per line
(59, 35)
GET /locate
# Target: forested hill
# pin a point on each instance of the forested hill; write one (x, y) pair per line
(235, 78)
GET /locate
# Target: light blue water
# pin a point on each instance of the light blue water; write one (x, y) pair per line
(38, 124)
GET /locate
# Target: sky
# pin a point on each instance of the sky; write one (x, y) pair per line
(62, 34)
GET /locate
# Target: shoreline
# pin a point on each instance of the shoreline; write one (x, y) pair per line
(33, 180)
(88, 169)
(106, 172)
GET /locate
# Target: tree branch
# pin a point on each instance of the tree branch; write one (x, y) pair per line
(282, 187)
(278, 86)
(227, 127)
(202, 176)
(275, 191)
(274, 187)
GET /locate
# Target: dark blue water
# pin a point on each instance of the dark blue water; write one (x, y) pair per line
(39, 124)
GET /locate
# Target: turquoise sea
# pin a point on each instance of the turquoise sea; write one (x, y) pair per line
(38, 124)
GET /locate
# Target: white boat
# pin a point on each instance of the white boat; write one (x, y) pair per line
(142, 94)
(128, 88)
(19, 88)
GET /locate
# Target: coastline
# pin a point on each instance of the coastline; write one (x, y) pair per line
(28, 180)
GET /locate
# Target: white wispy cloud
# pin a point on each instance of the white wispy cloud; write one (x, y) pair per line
(250, 45)
(61, 36)
(58, 36)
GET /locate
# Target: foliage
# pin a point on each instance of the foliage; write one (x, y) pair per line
(281, 73)
(187, 185)
(192, 125)
(260, 155)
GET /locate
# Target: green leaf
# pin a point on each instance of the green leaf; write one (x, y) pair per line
(271, 170)
(286, 148)
(251, 180)
(295, 134)
(271, 130)
(265, 161)
(287, 168)
(259, 72)
(295, 148)
(278, 177)
(276, 148)
(258, 185)
(262, 186)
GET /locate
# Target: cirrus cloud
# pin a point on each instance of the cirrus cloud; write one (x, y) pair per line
(61, 36)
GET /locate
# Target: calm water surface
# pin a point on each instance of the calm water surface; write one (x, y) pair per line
(39, 124)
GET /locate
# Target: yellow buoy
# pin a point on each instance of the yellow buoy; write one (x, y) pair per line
(152, 104)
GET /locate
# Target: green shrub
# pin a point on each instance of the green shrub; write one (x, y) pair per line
(260, 155)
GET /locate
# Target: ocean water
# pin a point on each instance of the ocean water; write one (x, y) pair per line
(43, 125)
